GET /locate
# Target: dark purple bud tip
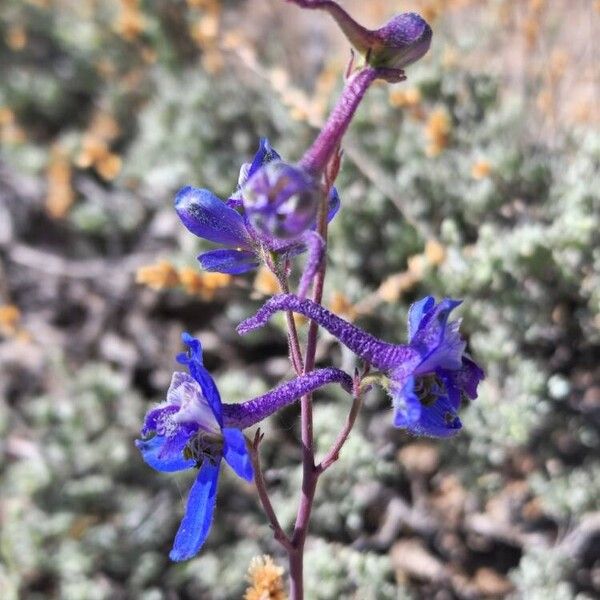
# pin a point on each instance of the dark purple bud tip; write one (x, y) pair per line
(281, 200)
(402, 41)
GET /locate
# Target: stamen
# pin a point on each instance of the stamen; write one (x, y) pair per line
(429, 388)
(204, 446)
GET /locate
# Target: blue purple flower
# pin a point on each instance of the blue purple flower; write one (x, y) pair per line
(193, 429)
(427, 379)
(274, 204)
(187, 431)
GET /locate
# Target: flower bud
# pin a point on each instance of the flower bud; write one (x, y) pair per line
(402, 41)
(399, 43)
(281, 200)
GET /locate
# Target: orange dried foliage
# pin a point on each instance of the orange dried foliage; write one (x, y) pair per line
(60, 195)
(265, 282)
(341, 305)
(205, 30)
(300, 320)
(265, 579)
(130, 22)
(207, 4)
(10, 317)
(213, 60)
(95, 150)
(164, 276)
(450, 58)
(205, 285)
(409, 97)
(559, 61)
(481, 169)
(435, 253)
(159, 276)
(437, 132)
(16, 37)
(395, 285)
(10, 131)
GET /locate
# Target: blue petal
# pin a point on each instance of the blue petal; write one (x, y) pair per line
(437, 420)
(233, 262)
(433, 328)
(416, 312)
(193, 361)
(264, 155)
(154, 417)
(407, 406)
(197, 520)
(151, 449)
(462, 381)
(469, 377)
(210, 218)
(176, 441)
(334, 204)
(236, 453)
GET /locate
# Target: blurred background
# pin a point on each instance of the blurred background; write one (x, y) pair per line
(477, 178)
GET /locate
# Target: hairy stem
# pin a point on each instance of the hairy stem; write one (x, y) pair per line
(263, 495)
(360, 37)
(253, 411)
(382, 355)
(310, 474)
(318, 155)
(342, 436)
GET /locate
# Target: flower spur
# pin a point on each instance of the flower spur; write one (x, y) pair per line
(427, 378)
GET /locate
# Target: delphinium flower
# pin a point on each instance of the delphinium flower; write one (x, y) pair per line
(426, 378)
(187, 431)
(274, 205)
(278, 211)
(193, 429)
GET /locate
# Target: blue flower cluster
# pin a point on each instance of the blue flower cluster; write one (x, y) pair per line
(278, 211)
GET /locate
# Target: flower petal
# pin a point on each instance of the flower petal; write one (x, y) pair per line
(334, 204)
(176, 440)
(416, 312)
(233, 262)
(151, 449)
(464, 380)
(155, 418)
(197, 520)
(210, 218)
(178, 379)
(193, 361)
(407, 407)
(263, 156)
(437, 420)
(236, 453)
(438, 341)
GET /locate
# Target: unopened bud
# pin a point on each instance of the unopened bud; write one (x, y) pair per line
(281, 200)
(399, 43)
(402, 41)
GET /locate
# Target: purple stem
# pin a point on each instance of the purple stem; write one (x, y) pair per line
(316, 251)
(317, 157)
(253, 411)
(380, 354)
(360, 37)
